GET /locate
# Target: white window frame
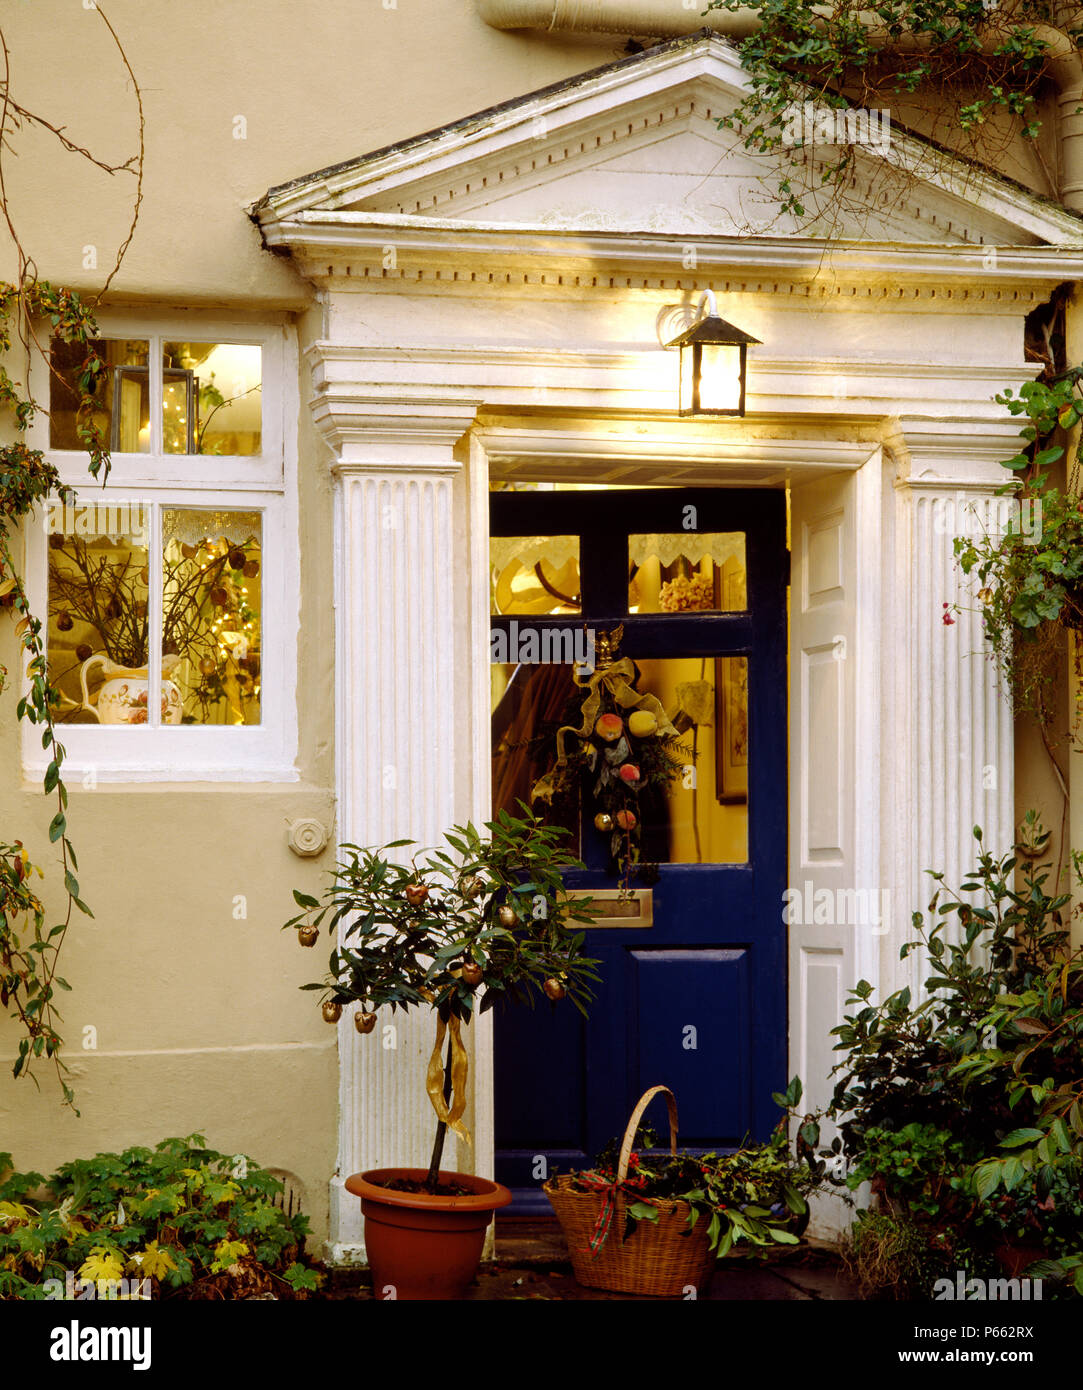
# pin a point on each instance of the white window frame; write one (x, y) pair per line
(265, 482)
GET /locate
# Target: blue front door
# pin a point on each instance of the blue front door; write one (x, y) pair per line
(696, 1000)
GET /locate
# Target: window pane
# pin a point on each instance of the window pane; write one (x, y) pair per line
(98, 619)
(211, 613)
(701, 819)
(534, 574)
(687, 572)
(211, 398)
(123, 395)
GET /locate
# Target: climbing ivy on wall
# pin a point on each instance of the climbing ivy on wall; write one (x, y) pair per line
(30, 943)
(982, 60)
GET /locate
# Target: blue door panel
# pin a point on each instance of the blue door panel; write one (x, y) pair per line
(557, 1051)
(694, 1007)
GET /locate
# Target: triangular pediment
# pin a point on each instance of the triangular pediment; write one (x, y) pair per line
(637, 146)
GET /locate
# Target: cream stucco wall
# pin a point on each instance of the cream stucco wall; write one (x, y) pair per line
(314, 85)
(200, 1025)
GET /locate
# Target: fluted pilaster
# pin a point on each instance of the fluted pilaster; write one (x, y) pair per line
(405, 711)
(959, 771)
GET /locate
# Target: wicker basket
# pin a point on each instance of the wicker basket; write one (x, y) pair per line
(660, 1259)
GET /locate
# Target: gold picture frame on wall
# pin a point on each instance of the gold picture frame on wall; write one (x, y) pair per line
(731, 697)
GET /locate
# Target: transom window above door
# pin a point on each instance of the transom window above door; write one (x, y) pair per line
(668, 572)
(168, 635)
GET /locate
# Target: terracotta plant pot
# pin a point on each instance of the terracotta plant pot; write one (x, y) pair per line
(424, 1247)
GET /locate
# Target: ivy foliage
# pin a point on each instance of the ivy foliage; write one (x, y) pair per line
(1031, 575)
(30, 944)
(982, 62)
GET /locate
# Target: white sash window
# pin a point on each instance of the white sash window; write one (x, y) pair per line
(171, 593)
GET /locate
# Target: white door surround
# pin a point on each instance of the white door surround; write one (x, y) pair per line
(412, 723)
(477, 318)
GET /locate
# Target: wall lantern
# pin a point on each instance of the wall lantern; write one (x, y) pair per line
(713, 357)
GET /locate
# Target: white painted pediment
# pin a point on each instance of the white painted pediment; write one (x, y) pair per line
(637, 147)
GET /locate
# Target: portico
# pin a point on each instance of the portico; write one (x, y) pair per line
(493, 299)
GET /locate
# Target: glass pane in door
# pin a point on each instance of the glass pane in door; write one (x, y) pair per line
(529, 703)
(687, 572)
(534, 574)
(701, 815)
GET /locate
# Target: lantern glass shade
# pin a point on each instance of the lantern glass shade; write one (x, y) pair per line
(713, 364)
(720, 377)
(688, 380)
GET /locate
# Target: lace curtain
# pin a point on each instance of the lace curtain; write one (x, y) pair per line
(693, 546)
(194, 527)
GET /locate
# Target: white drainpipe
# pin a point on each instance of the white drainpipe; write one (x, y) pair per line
(665, 19)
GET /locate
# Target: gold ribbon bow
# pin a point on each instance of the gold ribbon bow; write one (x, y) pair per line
(617, 678)
(434, 1080)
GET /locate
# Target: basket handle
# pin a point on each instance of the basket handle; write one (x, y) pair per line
(633, 1125)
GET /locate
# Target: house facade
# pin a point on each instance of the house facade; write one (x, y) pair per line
(437, 320)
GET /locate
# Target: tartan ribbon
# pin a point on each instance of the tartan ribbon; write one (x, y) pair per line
(618, 679)
(609, 1190)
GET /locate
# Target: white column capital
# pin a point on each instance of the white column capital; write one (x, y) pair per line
(368, 436)
(934, 455)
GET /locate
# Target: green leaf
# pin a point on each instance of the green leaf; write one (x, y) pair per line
(643, 1211)
(1019, 1137)
(57, 826)
(987, 1180)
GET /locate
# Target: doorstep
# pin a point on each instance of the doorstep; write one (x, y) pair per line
(531, 1263)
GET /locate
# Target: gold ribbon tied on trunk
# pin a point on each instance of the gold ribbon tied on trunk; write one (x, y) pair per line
(434, 1080)
(618, 679)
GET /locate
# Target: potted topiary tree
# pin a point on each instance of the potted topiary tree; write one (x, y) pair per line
(454, 930)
